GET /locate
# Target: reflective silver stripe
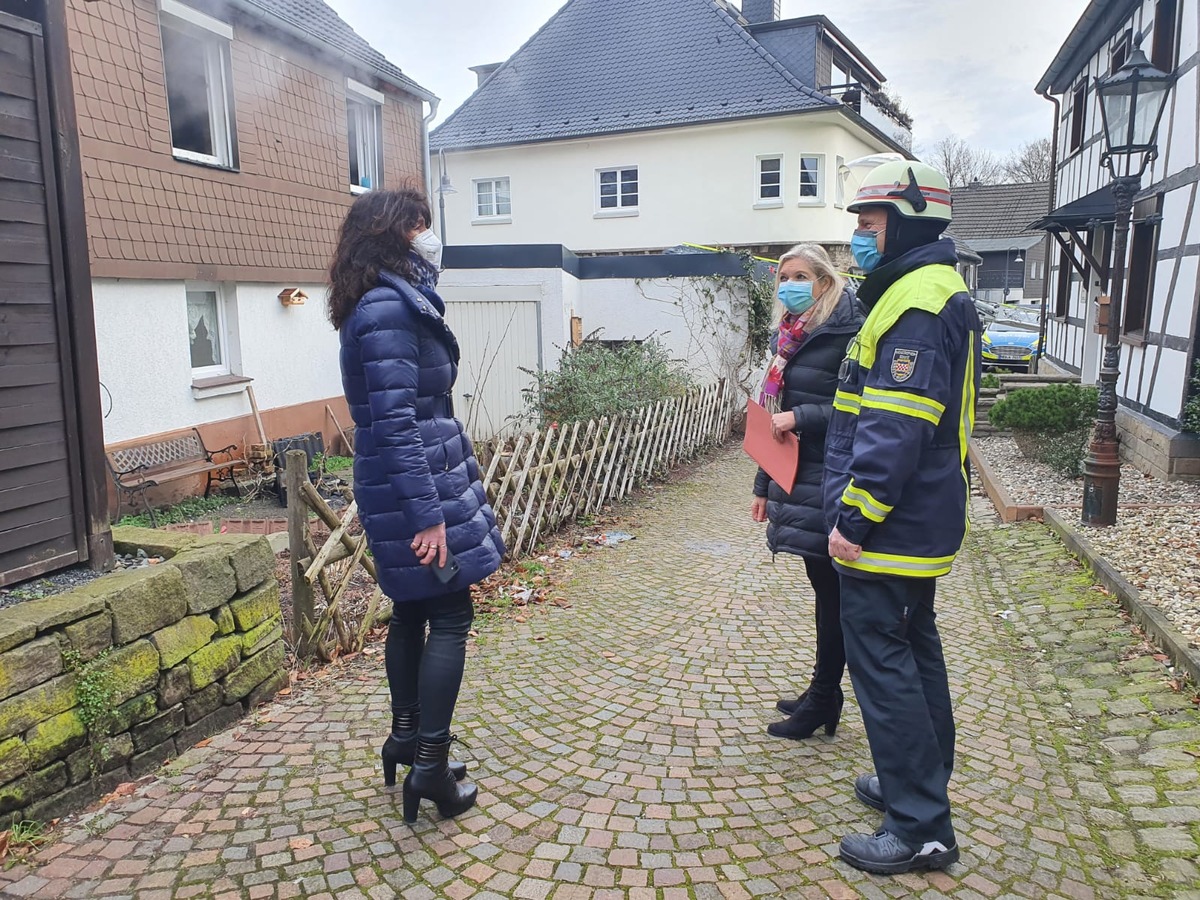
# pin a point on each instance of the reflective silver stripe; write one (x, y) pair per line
(904, 398)
(882, 564)
(871, 505)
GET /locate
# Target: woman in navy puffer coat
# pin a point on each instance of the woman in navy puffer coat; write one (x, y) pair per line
(416, 479)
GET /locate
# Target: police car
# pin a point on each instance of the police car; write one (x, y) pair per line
(1012, 341)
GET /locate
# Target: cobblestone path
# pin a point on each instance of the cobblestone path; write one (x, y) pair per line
(620, 748)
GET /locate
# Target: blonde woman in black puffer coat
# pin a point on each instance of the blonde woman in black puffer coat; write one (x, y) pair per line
(817, 318)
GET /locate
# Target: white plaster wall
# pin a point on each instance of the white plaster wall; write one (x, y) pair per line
(142, 343)
(696, 184)
(708, 343)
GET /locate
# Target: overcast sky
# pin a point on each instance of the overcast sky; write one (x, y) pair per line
(965, 67)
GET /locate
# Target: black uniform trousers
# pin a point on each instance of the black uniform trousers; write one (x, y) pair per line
(899, 675)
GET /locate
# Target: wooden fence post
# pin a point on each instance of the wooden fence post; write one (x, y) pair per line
(303, 610)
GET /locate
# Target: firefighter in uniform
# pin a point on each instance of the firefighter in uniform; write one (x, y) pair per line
(896, 492)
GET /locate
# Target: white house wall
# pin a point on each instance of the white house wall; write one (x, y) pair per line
(696, 184)
(142, 341)
(701, 332)
(1154, 375)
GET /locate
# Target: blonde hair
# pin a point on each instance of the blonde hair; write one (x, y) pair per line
(822, 267)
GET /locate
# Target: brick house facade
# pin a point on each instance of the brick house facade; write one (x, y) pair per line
(176, 237)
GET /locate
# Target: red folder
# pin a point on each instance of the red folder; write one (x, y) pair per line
(778, 458)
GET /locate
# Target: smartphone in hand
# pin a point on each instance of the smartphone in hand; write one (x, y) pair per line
(445, 573)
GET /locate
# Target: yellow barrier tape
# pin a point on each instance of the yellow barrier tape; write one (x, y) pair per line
(760, 258)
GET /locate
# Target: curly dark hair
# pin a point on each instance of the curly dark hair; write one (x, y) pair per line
(373, 237)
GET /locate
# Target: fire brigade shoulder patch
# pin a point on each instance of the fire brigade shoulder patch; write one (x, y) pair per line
(904, 363)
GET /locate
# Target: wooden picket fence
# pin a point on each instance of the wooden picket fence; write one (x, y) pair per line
(535, 482)
(540, 479)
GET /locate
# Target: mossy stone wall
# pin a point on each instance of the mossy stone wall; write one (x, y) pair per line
(105, 683)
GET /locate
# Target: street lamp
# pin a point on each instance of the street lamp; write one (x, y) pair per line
(444, 187)
(1020, 261)
(1132, 101)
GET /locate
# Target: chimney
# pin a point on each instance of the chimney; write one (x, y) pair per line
(758, 11)
(484, 72)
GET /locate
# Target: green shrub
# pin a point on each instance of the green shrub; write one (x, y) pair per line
(1189, 419)
(990, 380)
(1050, 424)
(595, 379)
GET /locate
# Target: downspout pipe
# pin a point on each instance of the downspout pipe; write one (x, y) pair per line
(1045, 94)
(434, 103)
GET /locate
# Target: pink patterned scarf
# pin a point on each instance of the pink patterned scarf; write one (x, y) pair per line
(791, 336)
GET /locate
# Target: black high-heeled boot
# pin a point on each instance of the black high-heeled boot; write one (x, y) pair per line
(787, 707)
(401, 746)
(430, 779)
(824, 709)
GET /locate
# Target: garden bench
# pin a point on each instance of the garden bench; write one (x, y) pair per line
(142, 466)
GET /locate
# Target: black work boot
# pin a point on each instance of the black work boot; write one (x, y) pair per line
(430, 778)
(401, 745)
(885, 854)
(867, 789)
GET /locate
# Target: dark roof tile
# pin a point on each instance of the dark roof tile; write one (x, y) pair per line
(599, 67)
(989, 211)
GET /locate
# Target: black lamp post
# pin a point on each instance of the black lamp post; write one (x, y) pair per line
(444, 188)
(1020, 260)
(1132, 101)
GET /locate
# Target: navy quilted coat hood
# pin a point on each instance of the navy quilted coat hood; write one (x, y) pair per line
(414, 465)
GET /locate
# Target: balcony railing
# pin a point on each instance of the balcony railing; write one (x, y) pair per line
(876, 109)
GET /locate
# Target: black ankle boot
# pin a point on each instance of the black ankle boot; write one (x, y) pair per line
(787, 707)
(430, 778)
(401, 745)
(817, 709)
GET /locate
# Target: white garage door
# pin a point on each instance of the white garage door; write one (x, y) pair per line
(498, 340)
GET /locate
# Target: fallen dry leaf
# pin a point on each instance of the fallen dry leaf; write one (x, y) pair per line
(283, 692)
(203, 743)
(300, 843)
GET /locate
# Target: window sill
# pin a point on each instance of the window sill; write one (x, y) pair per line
(492, 220)
(1134, 339)
(769, 204)
(196, 159)
(811, 203)
(615, 214)
(358, 189)
(219, 386)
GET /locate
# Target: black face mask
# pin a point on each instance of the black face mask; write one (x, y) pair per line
(904, 234)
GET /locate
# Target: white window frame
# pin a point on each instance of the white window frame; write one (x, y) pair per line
(840, 176)
(618, 211)
(761, 202)
(369, 99)
(215, 37)
(226, 331)
(497, 217)
(818, 200)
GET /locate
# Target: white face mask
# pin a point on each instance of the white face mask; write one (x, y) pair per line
(429, 246)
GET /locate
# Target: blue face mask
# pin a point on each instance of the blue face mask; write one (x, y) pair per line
(796, 296)
(865, 248)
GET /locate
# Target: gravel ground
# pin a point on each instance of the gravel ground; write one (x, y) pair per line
(1033, 483)
(1158, 552)
(1156, 548)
